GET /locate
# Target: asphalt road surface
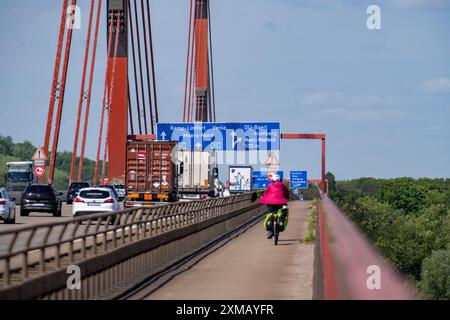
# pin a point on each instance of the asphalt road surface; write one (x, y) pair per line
(251, 267)
(37, 218)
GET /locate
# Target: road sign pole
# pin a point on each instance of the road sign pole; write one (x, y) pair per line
(39, 159)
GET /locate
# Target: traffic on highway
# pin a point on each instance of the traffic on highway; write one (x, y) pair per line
(44, 204)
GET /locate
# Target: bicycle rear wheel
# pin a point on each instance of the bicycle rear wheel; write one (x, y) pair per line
(275, 232)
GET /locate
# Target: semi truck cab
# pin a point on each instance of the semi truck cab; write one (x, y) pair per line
(18, 177)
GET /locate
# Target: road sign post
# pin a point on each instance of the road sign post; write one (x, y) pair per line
(39, 158)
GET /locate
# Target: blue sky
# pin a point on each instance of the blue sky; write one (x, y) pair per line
(381, 96)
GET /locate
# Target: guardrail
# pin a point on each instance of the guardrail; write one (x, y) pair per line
(348, 266)
(38, 255)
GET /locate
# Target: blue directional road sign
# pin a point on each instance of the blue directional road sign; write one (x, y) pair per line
(260, 180)
(248, 136)
(299, 179)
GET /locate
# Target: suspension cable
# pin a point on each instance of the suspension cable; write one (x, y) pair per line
(82, 92)
(140, 66)
(146, 67)
(104, 105)
(54, 88)
(89, 92)
(130, 18)
(61, 97)
(155, 100)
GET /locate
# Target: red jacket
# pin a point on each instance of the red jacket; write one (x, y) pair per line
(276, 193)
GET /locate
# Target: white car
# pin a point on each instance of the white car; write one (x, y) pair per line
(7, 207)
(94, 200)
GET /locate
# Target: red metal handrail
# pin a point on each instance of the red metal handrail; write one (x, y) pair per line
(348, 260)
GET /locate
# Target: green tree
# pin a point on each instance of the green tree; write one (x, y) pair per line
(6, 146)
(404, 193)
(331, 182)
(435, 283)
(24, 151)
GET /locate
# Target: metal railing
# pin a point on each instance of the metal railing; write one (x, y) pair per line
(30, 252)
(348, 265)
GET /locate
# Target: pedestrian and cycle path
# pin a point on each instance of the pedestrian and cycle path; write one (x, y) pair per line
(251, 267)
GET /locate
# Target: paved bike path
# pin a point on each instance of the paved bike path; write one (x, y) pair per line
(251, 267)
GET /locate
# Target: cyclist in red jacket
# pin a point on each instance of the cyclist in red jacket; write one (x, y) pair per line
(275, 197)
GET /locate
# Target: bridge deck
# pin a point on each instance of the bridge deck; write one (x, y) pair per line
(251, 267)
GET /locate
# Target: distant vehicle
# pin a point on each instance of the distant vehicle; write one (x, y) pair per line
(110, 187)
(19, 176)
(121, 192)
(7, 207)
(94, 200)
(73, 190)
(198, 178)
(40, 198)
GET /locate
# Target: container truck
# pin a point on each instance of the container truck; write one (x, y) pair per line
(157, 172)
(150, 173)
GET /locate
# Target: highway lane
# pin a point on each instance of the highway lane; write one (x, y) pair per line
(37, 218)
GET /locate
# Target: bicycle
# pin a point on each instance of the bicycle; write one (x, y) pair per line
(275, 228)
(276, 221)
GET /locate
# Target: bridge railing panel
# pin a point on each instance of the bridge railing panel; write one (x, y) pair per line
(351, 267)
(34, 250)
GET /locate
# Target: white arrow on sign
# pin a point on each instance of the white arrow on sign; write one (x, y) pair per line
(233, 141)
(163, 135)
(198, 145)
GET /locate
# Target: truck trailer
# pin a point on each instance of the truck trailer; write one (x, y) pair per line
(157, 172)
(197, 180)
(150, 175)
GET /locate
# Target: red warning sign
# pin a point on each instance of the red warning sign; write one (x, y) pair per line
(39, 171)
(39, 155)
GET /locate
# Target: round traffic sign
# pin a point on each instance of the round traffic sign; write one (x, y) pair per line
(39, 171)
(270, 175)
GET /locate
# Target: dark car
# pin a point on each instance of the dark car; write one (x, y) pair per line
(40, 198)
(109, 186)
(120, 188)
(73, 190)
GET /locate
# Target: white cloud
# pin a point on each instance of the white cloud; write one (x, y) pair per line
(439, 85)
(423, 4)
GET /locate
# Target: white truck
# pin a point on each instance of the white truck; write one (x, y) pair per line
(199, 177)
(19, 176)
